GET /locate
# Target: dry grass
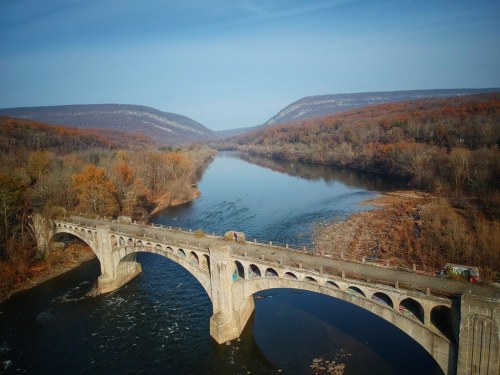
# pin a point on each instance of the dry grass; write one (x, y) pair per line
(415, 228)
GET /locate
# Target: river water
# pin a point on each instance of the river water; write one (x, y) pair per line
(159, 322)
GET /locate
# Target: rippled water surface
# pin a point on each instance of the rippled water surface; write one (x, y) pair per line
(159, 322)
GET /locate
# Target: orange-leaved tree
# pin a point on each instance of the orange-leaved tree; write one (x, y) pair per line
(96, 194)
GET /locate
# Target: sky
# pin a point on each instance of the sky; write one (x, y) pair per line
(236, 63)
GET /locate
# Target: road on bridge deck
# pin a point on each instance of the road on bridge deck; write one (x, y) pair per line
(308, 260)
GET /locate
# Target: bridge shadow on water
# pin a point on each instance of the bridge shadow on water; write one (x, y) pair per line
(292, 328)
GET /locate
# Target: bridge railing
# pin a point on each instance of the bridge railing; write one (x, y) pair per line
(270, 244)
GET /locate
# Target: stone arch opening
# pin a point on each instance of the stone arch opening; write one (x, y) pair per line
(181, 253)
(205, 263)
(139, 244)
(410, 307)
(355, 291)
(148, 245)
(121, 242)
(170, 249)
(253, 271)
(130, 242)
(290, 275)
(239, 271)
(310, 279)
(89, 232)
(114, 242)
(331, 283)
(382, 299)
(271, 272)
(193, 258)
(444, 319)
(158, 248)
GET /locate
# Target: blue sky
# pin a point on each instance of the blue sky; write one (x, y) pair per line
(230, 63)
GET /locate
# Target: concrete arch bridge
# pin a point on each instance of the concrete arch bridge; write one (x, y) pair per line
(455, 322)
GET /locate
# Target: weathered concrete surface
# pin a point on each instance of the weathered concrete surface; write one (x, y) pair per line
(226, 323)
(231, 275)
(479, 336)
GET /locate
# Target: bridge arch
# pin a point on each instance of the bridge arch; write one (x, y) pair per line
(239, 271)
(205, 263)
(444, 319)
(193, 258)
(332, 283)
(271, 272)
(253, 271)
(383, 299)
(412, 308)
(419, 332)
(354, 290)
(83, 236)
(128, 260)
(310, 279)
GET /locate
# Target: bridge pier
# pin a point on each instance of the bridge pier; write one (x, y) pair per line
(115, 272)
(226, 322)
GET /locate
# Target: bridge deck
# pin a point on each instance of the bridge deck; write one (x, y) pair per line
(306, 260)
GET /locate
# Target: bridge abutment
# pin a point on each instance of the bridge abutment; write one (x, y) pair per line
(479, 350)
(226, 323)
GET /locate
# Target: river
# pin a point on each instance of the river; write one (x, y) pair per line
(159, 322)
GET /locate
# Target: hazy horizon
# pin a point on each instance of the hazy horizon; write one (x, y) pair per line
(231, 64)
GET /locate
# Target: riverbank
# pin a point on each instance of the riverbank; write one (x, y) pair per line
(166, 202)
(59, 262)
(389, 233)
(415, 230)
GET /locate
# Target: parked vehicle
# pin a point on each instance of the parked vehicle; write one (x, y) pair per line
(459, 271)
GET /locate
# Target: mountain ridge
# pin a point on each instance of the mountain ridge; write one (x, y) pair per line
(163, 127)
(324, 105)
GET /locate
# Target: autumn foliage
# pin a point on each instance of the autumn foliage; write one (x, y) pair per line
(95, 193)
(91, 172)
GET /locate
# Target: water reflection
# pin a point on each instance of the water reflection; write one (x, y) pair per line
(329, 174)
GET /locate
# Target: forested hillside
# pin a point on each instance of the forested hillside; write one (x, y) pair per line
(55, 170)
(438, 143)
(163, 127)
(325, 105)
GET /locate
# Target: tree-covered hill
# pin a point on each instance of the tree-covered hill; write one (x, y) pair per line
(163, 127)
(451, 143)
